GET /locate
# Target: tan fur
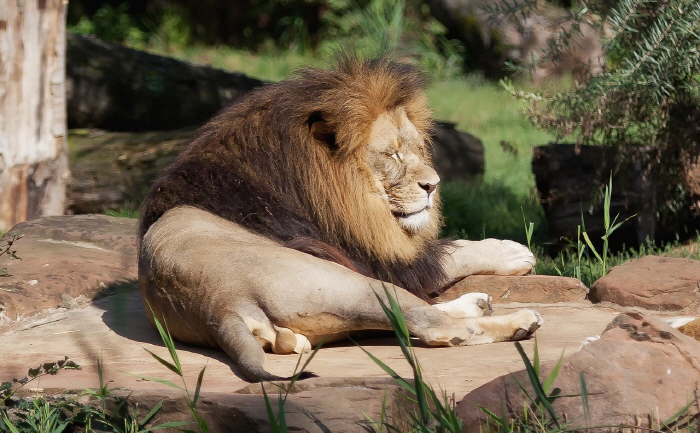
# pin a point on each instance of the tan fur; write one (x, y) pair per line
(341, 159)
(691, 329)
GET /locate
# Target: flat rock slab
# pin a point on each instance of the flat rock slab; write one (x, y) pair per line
(652, 282)
(640, 369)
(531, 288)
(115, 327)
(64, 258)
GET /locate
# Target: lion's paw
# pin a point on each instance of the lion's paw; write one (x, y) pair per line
(526, 322)
(509, 258)
(467, 305)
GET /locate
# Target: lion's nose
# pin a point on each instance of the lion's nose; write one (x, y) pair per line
(428, 187)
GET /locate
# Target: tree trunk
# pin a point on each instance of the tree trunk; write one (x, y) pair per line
(33, 158)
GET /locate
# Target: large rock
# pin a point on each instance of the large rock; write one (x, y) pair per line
(640, 369)
(652, 282)
(531, 288)
(570, 180)
(115, 327)
(65, 260)
(490, 43)
(113, 87)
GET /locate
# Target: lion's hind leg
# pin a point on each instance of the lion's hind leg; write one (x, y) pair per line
(488, 329)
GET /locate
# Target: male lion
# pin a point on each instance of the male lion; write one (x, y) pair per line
(273, 227)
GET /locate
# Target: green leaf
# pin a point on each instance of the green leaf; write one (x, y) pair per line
(274, 426)
(592, 248)
(400, 380)
(155, 379)
(534, 381)
(584, 398)
(150, 414)
(198, 387)
(170, 366)
(553, 374)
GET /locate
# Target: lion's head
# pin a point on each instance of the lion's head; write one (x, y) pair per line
(337, 158)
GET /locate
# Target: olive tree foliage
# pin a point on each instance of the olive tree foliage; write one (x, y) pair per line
(642, 99)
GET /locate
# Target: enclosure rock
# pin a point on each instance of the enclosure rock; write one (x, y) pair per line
(490, 43)
(653, 282)
(64, 258)
(640, 369)
(113, 87)
(534, 288)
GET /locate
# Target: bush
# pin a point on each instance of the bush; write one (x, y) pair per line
(643, 100)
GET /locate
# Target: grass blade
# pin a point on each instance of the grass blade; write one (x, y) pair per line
(584, 398)
(167, 364)
(198, 387)
(274, 427)
(155, 379)
(553, 374)
(536, 359)
(394, 375)
(534, 381)
(150, 414)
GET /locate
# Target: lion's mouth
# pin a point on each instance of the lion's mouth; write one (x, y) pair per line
(401, 214)
(412, 222)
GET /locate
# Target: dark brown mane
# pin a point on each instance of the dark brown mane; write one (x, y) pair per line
(256, 164)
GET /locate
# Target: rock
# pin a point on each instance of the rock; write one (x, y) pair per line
(652, 282)
(532, 288)
(65, 260)
(115, 327)
(457, 155)
(490, 43)
(639, 368)
(113, 87)
(570, 181)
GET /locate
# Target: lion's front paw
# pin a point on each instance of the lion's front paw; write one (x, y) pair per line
(526, 322)
(506, 257)
(468, 305)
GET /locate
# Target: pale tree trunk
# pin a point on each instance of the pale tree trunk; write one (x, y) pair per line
(33, 157)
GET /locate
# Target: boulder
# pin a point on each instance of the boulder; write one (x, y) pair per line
(457, 155)
(570, 181)
(531, 288)
(652, 282)
(64, 260)
(490, 43)
(68, 261)
(641, 371)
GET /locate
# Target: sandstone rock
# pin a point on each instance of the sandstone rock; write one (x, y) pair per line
(115, 327)
(640, 367)
(652, 282)
(65, 260)
(532, 288)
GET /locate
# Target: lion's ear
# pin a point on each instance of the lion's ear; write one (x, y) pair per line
(322, 131)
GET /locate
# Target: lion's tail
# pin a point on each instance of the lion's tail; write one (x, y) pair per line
(234, 338)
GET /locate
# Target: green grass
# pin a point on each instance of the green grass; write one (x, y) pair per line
(491, 207)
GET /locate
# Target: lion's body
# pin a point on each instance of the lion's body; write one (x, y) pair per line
(332, 165)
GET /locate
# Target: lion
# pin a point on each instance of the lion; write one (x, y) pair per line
(288, 213)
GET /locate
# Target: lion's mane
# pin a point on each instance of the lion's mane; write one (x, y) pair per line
(256, 164)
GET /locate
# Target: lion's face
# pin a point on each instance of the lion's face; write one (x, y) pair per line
(400, 166)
